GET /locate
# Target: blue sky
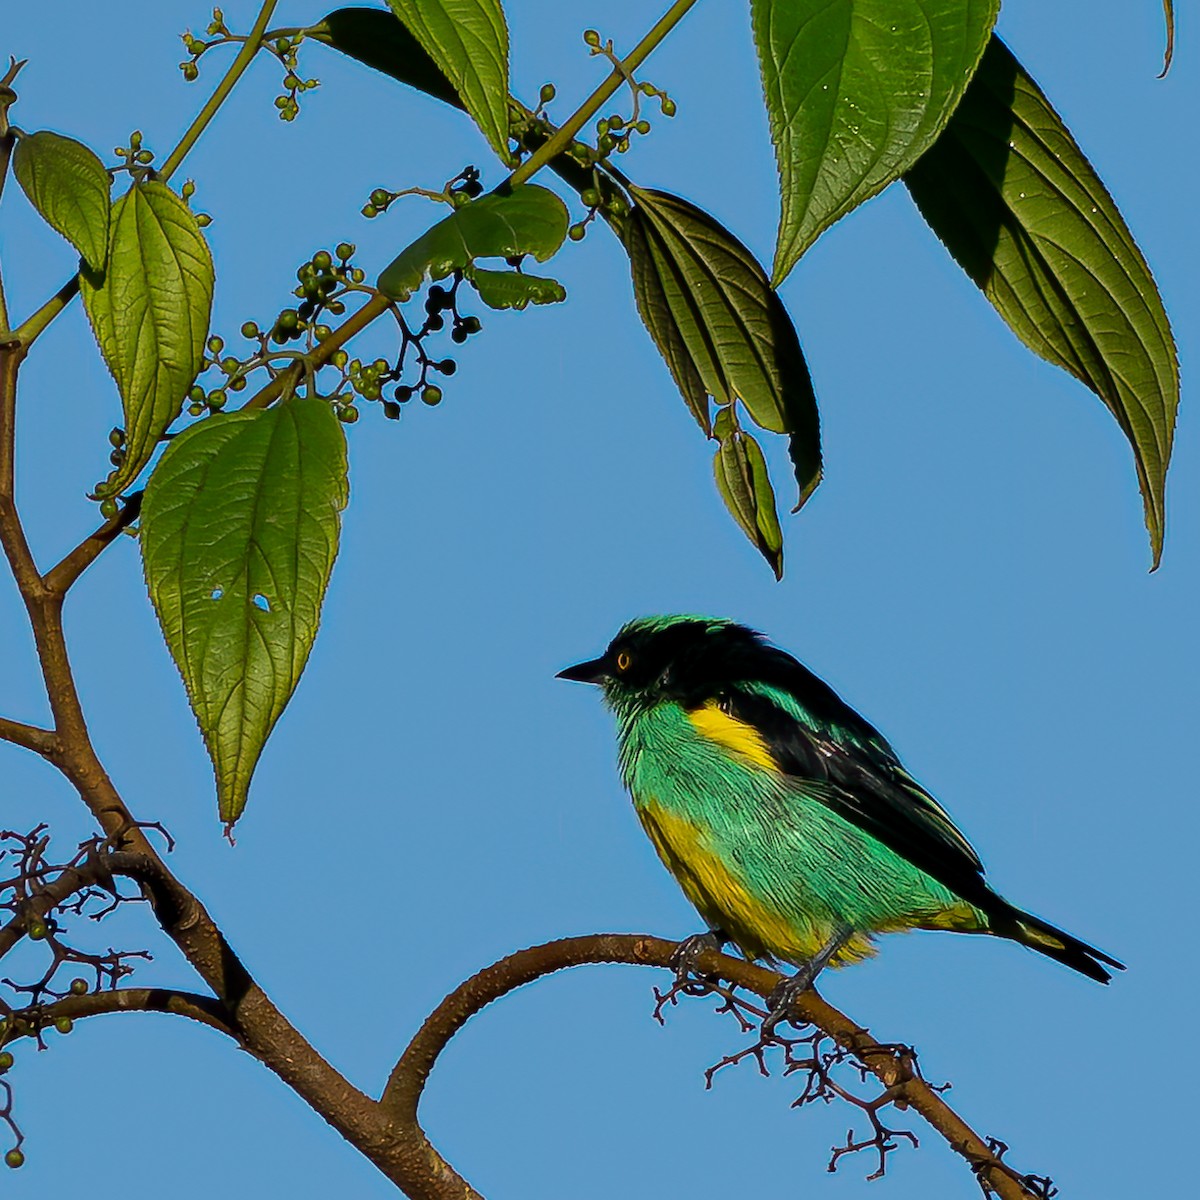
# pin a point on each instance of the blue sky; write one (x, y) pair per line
(972, 576)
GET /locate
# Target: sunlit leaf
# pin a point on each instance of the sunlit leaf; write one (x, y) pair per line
(528, 220)
(239, 532)
(379, 40)
(467, 40)
(745, 486)
(150, 313)
(69, 186)
(721, 328)
(856, 91)
(514, 289)
(1019, 206)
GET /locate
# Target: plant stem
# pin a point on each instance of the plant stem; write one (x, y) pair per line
(236, 70)
(592, 105)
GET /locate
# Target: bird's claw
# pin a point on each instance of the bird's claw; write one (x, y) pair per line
(683, 961)
(783, 995)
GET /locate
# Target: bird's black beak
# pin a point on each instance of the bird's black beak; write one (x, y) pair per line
(595, 671)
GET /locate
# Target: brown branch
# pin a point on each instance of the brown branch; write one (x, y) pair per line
(205, 1009)
(40, 741)
(60, 578)
(889, 1064)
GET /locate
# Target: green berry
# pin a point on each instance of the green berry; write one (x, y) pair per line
(431, 394)
(547, 93)
(348, 415)
(191, 72)
(369, 211)
(229, 364)
(591, 37)
(339, 358)
(217, 400)
(381, 199)
(37, 931)
(336, 307)
(288, 319)
(79, 987)
(576, 233)
(616, 122)
(357, 275)
(236, 385)
(643, 127)
(322, 260)
(116, 437)
(250, 330)
(668, 107)
(144, 157)
(590, 197)
(216, 345)
(203, 220)
(345, 250)
(14, 1158)
(194, 410)
(6, 1060)
(64, 1025)
(321, 332)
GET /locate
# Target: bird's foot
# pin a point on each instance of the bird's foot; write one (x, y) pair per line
(683, 961)
(782, 997)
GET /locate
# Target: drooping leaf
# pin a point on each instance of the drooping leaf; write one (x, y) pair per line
(240, 526)
(150, 313)
(69, 186)
(528, 220)
(468, 42)
(856, 91)
(1018, 205)
(745, 486)
(721, 328)
(515, 289)
(376, 38)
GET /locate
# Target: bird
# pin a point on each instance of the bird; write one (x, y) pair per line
(788, 821)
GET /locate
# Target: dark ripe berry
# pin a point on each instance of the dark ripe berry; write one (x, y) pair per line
(14, 1158)
(307, 308)
(436, 298)
(471, 324)
(391, 410)
(447, 366)
(458, 335)
(64, 1024)
(403, 393)
(345, 250)
(327, 285)
(322, 260)
(6, 1060)
(79, 987)
(250, 330)
(432, 394)
(473, 188)
(117, 457)
(434, 322)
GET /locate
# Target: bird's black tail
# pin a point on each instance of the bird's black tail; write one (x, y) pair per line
(1039, 935)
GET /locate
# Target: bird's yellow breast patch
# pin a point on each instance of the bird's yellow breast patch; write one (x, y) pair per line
(741, 738)
(724, 900)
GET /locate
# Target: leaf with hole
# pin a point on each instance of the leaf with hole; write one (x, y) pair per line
(745, 486)
(377, 39)
(239, 532)
(721, 328)
(514, 289)
(69, 187)
(856, 91)
(467, 40)
(527, 220)
(150, 314)
(1021, 209)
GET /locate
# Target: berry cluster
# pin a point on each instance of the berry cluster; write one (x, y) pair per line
(460, 190)
(282, 44)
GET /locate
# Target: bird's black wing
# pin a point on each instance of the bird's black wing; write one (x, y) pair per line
(865, 782)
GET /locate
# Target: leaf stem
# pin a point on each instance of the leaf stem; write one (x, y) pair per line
(592, 105)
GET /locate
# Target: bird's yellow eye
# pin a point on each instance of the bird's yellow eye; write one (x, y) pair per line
(623, 661)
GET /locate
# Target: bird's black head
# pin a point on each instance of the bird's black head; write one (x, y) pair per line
(681, 658)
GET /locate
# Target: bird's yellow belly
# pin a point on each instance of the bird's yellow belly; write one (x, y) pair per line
(727, 903)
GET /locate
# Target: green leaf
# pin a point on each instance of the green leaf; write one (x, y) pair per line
(528, 220)
(721, 328)
(69, 186)
(856, 91)
(514, 289)
(376, 38)
(468, 42)
(150, 315)
(745, 486)
(239, 532)
(1021, 209)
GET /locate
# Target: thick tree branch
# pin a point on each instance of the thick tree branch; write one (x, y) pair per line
(40, 741)
(206, 1009)
(890, 1067)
